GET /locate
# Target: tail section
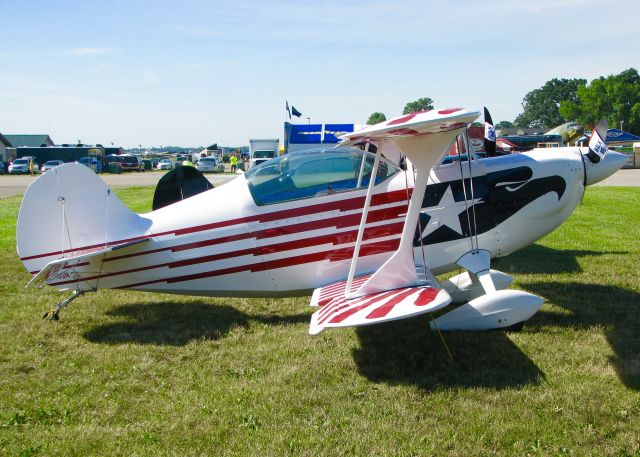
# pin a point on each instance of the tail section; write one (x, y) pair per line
(69, 212)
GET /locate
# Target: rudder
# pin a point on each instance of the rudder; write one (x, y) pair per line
(69, 211)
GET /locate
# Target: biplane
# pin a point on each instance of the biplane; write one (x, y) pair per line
(364, 228)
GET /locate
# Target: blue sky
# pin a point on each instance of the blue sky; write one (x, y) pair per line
(196, 72)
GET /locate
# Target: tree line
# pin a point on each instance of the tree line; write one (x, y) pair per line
(614, 97)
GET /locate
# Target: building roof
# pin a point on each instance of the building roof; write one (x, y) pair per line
(32, 141)
(4, 141)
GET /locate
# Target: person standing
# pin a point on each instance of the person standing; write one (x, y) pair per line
(31, 166)
(234, 163)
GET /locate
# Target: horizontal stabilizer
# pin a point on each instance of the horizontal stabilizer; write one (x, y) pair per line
(66, 268)
(378, 307)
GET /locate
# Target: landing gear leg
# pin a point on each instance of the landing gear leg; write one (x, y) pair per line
(52, 314)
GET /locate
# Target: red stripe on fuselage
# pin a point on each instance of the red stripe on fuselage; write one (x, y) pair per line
(337, 222)
(336, 239)
(334, 255)
(341, 205)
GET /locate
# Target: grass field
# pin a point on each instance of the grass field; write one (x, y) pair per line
(127, 373)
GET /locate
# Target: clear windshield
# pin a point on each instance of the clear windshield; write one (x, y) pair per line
(314, 173)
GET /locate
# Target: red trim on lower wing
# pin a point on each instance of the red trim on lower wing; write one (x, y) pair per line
(385, 309)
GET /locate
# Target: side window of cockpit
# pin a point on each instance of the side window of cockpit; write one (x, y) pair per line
(385, 170)
(302, 176)
(322, 172)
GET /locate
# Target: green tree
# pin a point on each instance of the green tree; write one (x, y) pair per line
(542, 106)
(421, 104)
(505, 125)
(616, 98)
(376, 118)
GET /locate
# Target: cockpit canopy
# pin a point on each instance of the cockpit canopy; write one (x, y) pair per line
(315, 172)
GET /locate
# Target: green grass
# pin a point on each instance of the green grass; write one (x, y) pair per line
(127, 373)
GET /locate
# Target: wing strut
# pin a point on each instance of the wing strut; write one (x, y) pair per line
(395, 290)
(365, 213)
(400, 270)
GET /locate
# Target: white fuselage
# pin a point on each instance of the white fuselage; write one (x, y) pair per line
(220, 243)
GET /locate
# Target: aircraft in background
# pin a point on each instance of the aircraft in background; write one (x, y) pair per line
(351, 226)
(569, 132)
(561, 135)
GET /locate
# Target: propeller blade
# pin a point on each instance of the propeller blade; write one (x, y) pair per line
(597, 145)
(489, 134)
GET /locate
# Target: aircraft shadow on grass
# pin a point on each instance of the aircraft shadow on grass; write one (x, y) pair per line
(408, 352)
(537, 259)
(615, 309)
(177, 323)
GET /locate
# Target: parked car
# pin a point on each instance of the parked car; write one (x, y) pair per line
(131, 163)
(50, 164)
(92, 162)
(210, 164)
(164, 164)
(21, 165)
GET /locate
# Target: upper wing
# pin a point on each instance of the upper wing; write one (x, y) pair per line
(414, 124)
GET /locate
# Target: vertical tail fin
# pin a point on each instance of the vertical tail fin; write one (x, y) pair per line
(70, 211)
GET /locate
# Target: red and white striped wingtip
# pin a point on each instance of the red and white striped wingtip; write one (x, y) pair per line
(379, 307)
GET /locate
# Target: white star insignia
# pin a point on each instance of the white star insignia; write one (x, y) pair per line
(445, 214)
